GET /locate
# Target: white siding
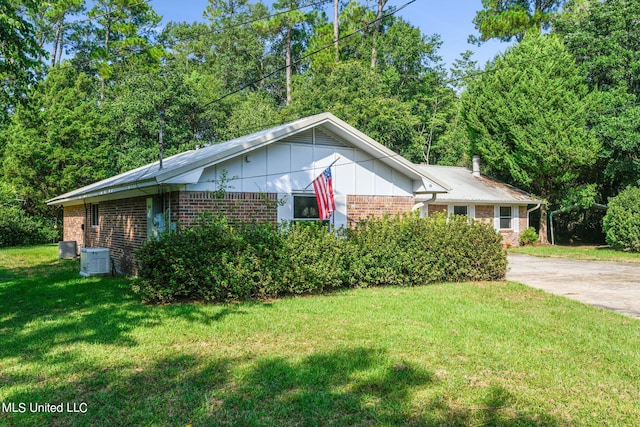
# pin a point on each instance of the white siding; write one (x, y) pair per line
(290, 167)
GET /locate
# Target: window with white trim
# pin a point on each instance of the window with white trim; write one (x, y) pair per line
(305, 208)
(506, 218)
(95, 215)
(461, 210)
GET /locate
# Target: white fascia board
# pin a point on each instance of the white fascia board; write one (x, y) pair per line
(108, 193)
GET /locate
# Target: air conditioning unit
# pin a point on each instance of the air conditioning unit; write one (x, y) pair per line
(94, 261)
(67, 249)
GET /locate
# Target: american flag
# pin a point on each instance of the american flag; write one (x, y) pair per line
(323, 187)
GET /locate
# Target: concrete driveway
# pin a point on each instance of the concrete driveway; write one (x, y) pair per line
(609, 285)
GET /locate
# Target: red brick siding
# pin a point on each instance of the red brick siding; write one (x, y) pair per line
(437, 208)
(240, 207)
(122, 227)
(485, 213)
(74, 218)
(362, 207)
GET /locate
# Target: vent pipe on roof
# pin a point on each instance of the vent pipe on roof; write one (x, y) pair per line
(476, 165)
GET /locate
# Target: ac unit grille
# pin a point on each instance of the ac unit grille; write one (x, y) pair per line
(94, 261)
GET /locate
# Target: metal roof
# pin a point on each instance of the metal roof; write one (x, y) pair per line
(467, 188)
(186, 167)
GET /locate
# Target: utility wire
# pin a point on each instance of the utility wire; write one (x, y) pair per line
(307, 55)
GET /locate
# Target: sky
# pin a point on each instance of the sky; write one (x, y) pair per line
(451, 19)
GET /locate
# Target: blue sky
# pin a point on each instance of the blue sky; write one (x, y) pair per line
(451, 19)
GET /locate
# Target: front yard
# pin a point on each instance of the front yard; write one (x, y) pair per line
(490, 353)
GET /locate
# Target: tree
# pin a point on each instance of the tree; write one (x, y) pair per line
(288, 23)
(119, 39)
(19, 53)
(604, 38)
(527, 117)
(237, 54)
(506, 19)
(134, 113)
(56, 142)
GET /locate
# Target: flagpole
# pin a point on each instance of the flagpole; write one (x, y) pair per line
(332, 163)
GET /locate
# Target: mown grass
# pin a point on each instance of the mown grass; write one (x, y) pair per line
(497, 354)
(590, 253)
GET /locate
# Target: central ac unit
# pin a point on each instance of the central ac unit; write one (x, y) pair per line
(94, 261)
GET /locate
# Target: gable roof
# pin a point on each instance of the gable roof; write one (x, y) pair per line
(467, 188)
(187, 167)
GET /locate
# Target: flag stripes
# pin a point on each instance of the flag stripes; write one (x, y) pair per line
(323, 187)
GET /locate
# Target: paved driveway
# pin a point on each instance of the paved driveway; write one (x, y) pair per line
(610, 285)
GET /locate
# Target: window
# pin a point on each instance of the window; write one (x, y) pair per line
(461, 210)
(305, 208)
(506, 218)
(95, 215)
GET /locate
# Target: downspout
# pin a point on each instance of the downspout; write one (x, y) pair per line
(84, 226)
(424, 203)
(536, 207)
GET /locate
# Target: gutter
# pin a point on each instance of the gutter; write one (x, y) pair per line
(423, 203)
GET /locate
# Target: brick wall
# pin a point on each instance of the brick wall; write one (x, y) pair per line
(437, 208)
(122, 227)
(74, 218)
(236, 206)
(362, 207)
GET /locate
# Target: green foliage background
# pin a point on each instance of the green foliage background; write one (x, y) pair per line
(557, 114)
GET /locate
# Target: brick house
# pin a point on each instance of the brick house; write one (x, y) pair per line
(265, 176)
(484, 199)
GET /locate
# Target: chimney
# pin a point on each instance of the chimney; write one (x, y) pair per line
(476, 165)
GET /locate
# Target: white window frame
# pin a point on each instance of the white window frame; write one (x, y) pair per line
(471, 210)
(94, 215)
(514, 217)
(293, 210)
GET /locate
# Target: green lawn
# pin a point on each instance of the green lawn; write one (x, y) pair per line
(592, 253)
(496, 354)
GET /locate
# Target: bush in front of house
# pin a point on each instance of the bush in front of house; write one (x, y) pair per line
(408, 250)
(529, 236)
(621, 224)
(219, 262)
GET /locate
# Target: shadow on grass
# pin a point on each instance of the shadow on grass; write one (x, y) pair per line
(351, 387)
(40, 313)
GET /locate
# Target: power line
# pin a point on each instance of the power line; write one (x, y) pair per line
(252, 21)
(303, 57)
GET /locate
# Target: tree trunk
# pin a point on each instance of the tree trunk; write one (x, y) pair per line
(60, 46)
(288, 64)
(376, 30)
(542, 233)
(336, 29)
(54, 49)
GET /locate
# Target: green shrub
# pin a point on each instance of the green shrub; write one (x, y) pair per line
(17, 228)
(621, 224)
(407, 251)
(529, 236)
(215, 261)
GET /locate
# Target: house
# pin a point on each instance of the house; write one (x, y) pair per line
(265, 176)
(505, 207)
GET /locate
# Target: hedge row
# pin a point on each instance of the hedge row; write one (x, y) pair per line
(215, 261)
(17, 228)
